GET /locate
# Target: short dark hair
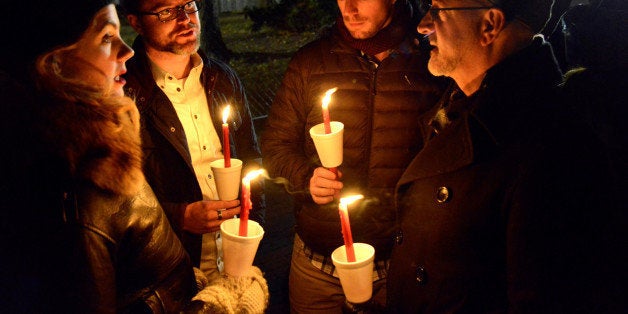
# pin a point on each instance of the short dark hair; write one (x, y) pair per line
(130, 6)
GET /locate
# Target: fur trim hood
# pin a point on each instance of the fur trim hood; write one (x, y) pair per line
(96, 143)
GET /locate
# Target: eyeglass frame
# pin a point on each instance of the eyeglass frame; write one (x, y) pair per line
(433, 12)
(178, 10)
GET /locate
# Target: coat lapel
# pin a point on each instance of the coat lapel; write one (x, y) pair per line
(449, 151)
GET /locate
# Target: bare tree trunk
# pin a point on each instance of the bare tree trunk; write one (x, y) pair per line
(211, 36)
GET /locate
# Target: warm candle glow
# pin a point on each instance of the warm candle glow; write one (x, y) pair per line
(326, 119)
(326, 101)
(226, 149)
(350, 199)
(346, 226)
(327, 97)
(225, 113)
(245, 203)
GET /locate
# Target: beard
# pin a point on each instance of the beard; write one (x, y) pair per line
(166, 44)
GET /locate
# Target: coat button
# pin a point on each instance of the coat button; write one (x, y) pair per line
(421, 275)
(443, 194)
(399, 237)
(172, 129)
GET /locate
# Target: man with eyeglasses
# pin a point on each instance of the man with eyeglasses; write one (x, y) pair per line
(181, 94)
(508, 207)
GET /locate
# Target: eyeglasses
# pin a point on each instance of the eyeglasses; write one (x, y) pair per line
(427, 8)
(169, 14)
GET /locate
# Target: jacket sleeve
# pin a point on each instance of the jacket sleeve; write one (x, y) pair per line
(94, 272)
(283, 139)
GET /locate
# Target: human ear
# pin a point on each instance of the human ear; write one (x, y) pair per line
(135, 23)
(493, 23)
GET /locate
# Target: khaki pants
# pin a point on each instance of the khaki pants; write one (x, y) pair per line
(313, 291)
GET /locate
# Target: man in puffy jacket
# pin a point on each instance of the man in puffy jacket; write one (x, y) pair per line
(383, 87)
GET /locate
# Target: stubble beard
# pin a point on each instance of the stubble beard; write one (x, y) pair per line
(188, 48)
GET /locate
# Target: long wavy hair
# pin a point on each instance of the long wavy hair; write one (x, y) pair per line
(95, 134)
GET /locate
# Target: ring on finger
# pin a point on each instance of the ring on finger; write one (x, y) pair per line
(219, 214)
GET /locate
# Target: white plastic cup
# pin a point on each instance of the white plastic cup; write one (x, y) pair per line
(356, 277)
(328, 146)
(227, 179)
(239, 252)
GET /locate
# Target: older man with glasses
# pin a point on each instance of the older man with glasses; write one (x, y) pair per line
(508, 207)
(181, 94)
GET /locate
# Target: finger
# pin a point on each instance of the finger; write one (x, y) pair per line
(324, 173)
(224, 204)
(322, 200)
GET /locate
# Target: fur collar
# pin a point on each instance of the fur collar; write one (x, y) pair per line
(96, 143)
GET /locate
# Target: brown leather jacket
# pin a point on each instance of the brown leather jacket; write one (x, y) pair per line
(379, 105)
(84, 230)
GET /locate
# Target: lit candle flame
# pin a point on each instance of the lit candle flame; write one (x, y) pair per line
(225, 113)
(253, 174)
(327, 97)
(350, 199)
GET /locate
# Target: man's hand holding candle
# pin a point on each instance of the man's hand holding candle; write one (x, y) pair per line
(325, 185)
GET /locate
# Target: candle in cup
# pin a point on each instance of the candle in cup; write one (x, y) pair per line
(245, 203)
(226, 149)
(345, 225)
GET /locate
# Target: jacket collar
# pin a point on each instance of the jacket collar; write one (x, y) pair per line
(342, 47)
(512, 92)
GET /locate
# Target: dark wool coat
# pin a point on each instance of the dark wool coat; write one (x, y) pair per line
(379, 106)
(167, 161)
(505, 209)
(82, 232)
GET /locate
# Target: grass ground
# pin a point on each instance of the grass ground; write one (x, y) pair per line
(260, 58)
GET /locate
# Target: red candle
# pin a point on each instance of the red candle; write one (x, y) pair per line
(226, 149)
(245, 202)
(326, 119)
(326, 101)
(345, 225)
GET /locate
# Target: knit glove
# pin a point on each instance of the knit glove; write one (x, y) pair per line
(235, 295)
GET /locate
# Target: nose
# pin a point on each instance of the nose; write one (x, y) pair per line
(350, 6)
(426, 26)
(182, 15)
(126, 52)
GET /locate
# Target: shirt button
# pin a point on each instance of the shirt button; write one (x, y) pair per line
(421, 275)
(195, 117)
(204, 147)
(178, 89)
(442, 194)
(170, 77)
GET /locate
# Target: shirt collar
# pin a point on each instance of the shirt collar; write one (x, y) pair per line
(160, 75)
